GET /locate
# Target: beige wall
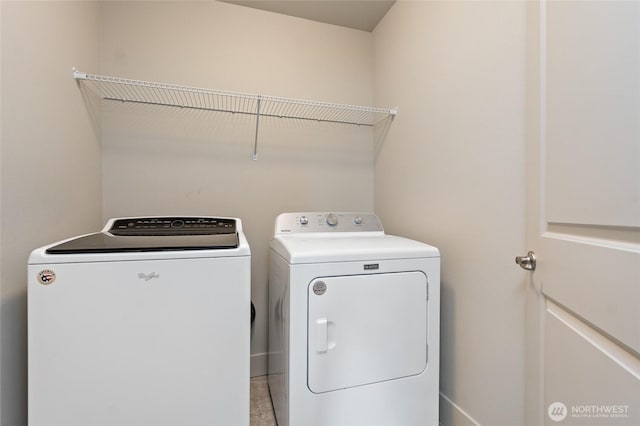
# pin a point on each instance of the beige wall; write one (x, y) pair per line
(451, 173)
(51, 170)
(169, 161)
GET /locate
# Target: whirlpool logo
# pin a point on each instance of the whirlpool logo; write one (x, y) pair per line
(147, 277)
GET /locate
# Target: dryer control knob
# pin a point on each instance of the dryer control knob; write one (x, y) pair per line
(357, 220)
(304, 220)
(332, 219)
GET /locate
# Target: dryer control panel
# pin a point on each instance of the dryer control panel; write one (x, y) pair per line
(308, 222)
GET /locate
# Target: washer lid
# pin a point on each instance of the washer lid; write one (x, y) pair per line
(148, 234)
(350, 247)
(106, 243)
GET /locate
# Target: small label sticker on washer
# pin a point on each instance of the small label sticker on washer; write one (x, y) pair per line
(319, 288)
(46, 277)
(371, 266)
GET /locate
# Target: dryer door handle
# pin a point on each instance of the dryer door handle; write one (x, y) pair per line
(322, 335)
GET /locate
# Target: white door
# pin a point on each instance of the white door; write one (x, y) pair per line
(583, 301)
(366, 329)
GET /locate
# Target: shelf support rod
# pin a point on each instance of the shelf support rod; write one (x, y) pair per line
(79, 75)
(255, 143)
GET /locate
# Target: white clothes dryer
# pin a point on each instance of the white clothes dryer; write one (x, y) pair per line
(146, 323)
(353, 323)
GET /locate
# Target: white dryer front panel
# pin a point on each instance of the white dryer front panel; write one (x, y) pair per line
(365, 329)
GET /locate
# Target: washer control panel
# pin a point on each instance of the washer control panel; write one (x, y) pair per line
(291, 223)
(174, 225)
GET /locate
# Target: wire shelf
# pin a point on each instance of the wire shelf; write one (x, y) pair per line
(146, 92)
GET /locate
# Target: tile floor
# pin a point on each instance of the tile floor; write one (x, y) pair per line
(261, 408)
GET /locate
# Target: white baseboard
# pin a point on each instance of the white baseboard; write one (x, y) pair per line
(453, 415)
(259, 364)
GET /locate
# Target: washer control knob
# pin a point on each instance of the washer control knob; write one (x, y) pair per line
(332, 219)
(177, 223)
(357, 220)
(304, 220)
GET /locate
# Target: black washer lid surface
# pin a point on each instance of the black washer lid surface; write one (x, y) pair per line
(156, 234)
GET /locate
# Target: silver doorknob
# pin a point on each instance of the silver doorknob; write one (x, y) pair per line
(527, 262)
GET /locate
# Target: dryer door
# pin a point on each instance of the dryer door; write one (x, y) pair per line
(365, 329)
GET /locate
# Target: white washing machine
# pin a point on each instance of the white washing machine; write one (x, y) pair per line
(353, 323)
(146, 323)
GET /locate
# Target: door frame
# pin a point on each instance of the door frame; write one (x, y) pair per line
(534, 154)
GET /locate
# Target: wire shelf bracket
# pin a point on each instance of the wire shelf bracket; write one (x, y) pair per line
(172, 95)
